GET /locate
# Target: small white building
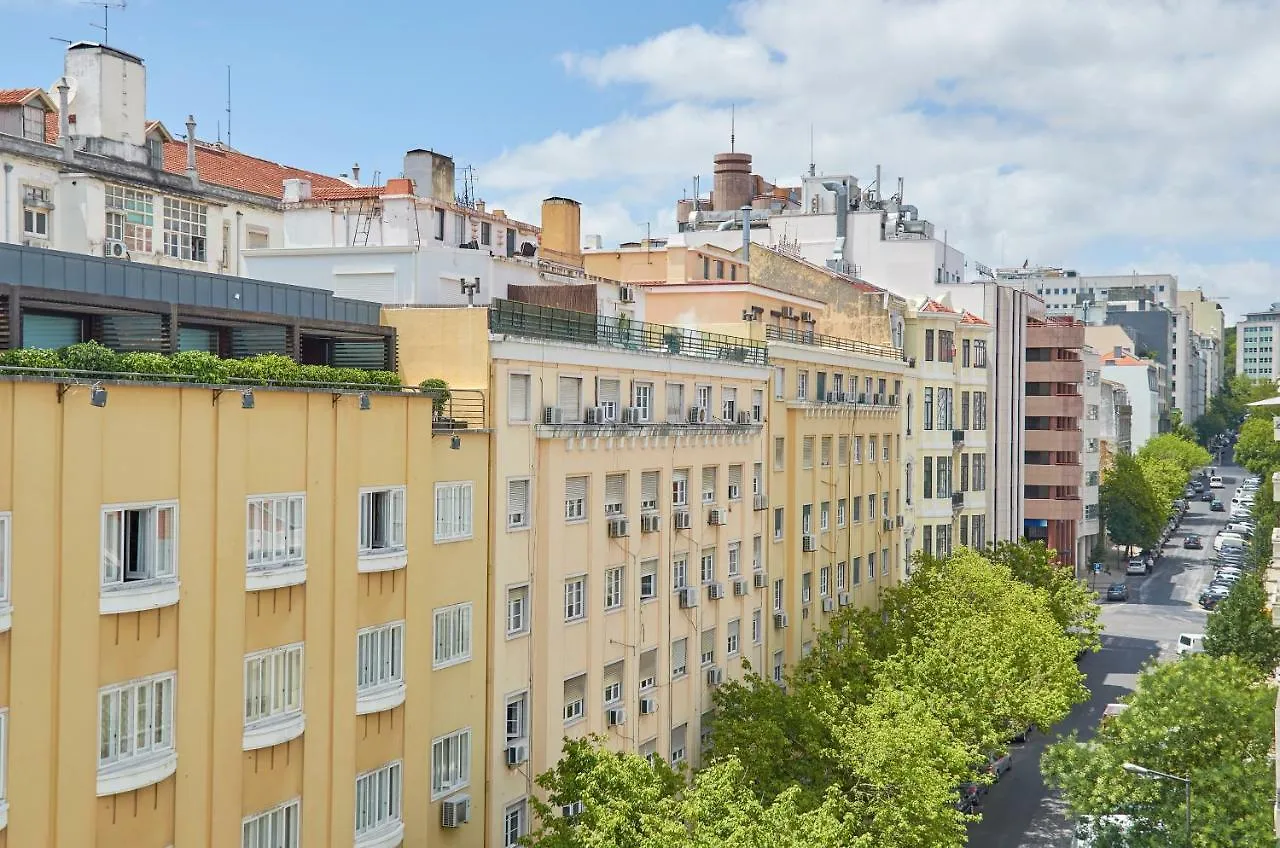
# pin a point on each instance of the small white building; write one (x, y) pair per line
(1256, 336)
(1141, 382)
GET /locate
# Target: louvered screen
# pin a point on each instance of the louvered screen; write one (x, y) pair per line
(575, 688)
(679, 653)
(609, 392)
(649, 664)
(369, 355)
(675, 401)
(735, 479)
(677, 737)
(709, 484)
(575, 488)
(258, 339)
(518, 501)
(50, 331)
(124, 333)
(198, 338)
(708, 641)
(613, 673)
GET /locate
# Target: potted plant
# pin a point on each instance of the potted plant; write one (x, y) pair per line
(673, 340)
(438, 390)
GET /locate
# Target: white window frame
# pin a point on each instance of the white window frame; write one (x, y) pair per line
(379, 667)
(842, 512)
(642, 399)
(707, 566)
(379, 801)
(614, 588)
(186, 230)
(652, 577)
(680, 488)
(518, 728)
(126, 766)
(450, 763)
(387, 552)
(575, 509)
(734, 558)
(520, 809)
(130, 217)
(455, 510)
(273, 687)
(521, 596)
(733, 637)
(275, 556)
(157, 584)
(679, 572)
(514, 415)
(451, 635)
(520, 521)
(576, 710)
(278, 827)
(575, 598)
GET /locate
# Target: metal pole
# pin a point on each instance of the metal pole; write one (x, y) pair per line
(1187, 783)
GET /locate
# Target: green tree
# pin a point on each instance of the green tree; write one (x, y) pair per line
(1241, 626)
(1203, 717)
(1071, 601)
(1182, 452)
(1128, 506)
(1212, 423)
(1166, 479)
(1256, 449)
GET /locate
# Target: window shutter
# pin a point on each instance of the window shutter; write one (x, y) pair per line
(708, 640)
(649, 483)
(615, 492)
(649, 664)
(735, 478)
(679, 653)
(518, 397)
(807, 453)
(757, 478)
(575, 688)
(649, 749)
(678, 477)
(575, 488)
(649, 568)
(675, 401)
(569, 398)
(608, 391)
(677, 737)
(518, 502)
(613, 673)
(709, 483)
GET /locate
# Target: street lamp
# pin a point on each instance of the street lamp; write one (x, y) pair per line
(1134, 768)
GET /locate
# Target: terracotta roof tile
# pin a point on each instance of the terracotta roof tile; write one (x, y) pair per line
(15, 96)
(967, 317)
(931, 305)
(233, 169)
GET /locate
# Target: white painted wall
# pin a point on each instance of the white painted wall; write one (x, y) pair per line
(1137, 380)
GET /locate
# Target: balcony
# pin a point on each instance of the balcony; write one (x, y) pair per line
(1055, 406)
(1057, 474)
(1054, 509)
(793, 336)
(527, 320)
(1055, 371)
(1070, 441)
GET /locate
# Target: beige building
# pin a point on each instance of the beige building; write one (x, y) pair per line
(627, 550)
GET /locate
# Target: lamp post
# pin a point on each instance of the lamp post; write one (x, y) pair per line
(1134, 768)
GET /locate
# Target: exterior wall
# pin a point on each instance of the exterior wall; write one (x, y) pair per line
(1256, 349)
(672, 262)
(1008, 309)
(63, 461)
(1091, 458)
(1139, 383)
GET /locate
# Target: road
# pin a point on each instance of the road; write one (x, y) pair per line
(1020, 811)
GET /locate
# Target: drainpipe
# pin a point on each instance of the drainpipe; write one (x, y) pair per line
(64, 119)
(239, 227)
(746, 233)
(8, 169)
(192, 173)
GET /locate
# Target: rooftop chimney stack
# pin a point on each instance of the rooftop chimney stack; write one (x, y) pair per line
(192, 173)
(733, 182)
(562, 230)
(108, 98)
(355, 173)
(64, 119)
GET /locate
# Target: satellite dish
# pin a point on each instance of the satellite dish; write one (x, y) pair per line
(528, 249)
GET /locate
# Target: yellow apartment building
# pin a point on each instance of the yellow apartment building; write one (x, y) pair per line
(239, 619)
(628, 541)
(834, 493)
(946, 424)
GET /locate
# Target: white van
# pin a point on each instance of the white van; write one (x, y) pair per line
(1228, 540)
(1215, 482)
(1190, 643)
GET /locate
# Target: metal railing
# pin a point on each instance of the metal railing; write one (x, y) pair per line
(456, 409)
(804, 337)
(545, 322)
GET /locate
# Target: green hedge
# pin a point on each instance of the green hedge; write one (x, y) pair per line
(192, 366)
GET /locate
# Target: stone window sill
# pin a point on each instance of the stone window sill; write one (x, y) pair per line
(139, 596)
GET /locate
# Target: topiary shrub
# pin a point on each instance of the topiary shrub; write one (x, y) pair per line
(438, 390)
(89, 356)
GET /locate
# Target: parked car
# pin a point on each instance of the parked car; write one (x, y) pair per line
(1197, 485)
(1118, 592)
(1138, 566)
(1190, 643)
(1215, 482)
(1192, 542)
(1217, 506)
(1213, 596)
(998, 763)
(1208, 496)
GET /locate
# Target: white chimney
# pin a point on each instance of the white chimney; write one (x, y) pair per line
(296, 190)
(64, 118)
(192, 173)
(108, 93)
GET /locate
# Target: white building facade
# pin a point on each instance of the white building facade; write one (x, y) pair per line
(1256, 344)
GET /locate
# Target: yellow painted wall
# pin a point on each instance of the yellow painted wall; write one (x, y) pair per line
(447, 343)
(60, 462)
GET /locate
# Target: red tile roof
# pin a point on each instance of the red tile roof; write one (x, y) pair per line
(1122, 359)
(15, 96)
(967, 317)
(233, 169)
(931, 305)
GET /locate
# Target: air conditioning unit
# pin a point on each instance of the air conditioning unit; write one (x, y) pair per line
(650, 522)
(901, 521)
(680, 518)
(888, 524)
(844, 599)
(740, 587)
(697, 415)
(760, 502)
(648, 706)
(735, 492)
(517, 753)
(809, 543)
(631, 415)
(553, 415)
(596, 415)
(615, 716)
(715, 517)
(455, 812)
(760, 580)
(688, 598)
(715, 676)
(571, 810)
(626, 294)
(779, 620)
(113, 249)
(806, 316)
(828, 604)
(715, 591)
(618, 528)
(745, 417)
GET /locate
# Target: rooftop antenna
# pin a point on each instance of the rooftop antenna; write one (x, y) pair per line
(812, 167)
(105, 26)
(733, 115)
(228, 105)
(63, 40)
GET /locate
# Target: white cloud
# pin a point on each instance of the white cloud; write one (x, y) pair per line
(1143, 127)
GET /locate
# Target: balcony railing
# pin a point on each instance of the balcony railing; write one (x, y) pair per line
(545, 322)
(793, 336)
(456, 409)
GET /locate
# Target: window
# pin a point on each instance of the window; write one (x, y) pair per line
(275, 531)
(575, 698)
(729, 404)
(642, 399)
(615, 494)
(450, 763)
(648, 677)
(944, 409)
(675, 403)
(453, 511)
(884, 561)
(708, 647)
(928, 476)
(927, 542)
(735, 483)
(871, 507)
(517, 610)
(966, 357)
(35, 211)
(608, 397)
(857, 509)
(272, 684)
(648, 579)
(679, 572)
(806, 519)
(824, 581)
(757, 627)
(871, 566)
(514, 819)
(777, 666)
(757, 553)
(946, 346)
(517, 397)
(856, 570)
(777, 595)
(944, 476)
(964, 410)
(679, 658)
(735, 559)
(438, 225)
(677, 743)
(824, 456)
(708, 569)
(857, 449)
(806, 452)
(518, 515)
(649, 484)
(873, 448)
(709, 475)
(842, 512)
(802, 385)
(452, 635)
(138, 544)
(575, 498)
(130, 217)
(910, 413)
(613, 591)
(382, 520)
(575, 595)
(734, 632)
(185, 229)
(928, 345)
(379, 656)
(704, 398)
(486, 233)
(806, 587)
(757, 478)
(841, 575)
(824, 516)
(569, 398)
(979, 353)
(135, 720)
(779, 452)
(777, 523)
(928, 408)
(613, 673)
(680, 487)
(842, 450)
(275, 828)
(979, 410)
(757, 405)
(884, 448)
(779, 382)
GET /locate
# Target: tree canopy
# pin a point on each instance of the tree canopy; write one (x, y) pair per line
(1200, 717)
(1166, 480)
(1185, 454)
(1128, 506)
(1241, 626)
(1256, 449)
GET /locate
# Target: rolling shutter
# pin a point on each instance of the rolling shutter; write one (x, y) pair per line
(615, 493)
(613, 673)
(518, 398)
(569, 398)
(709, 483)
(649, 482)
(609, 395)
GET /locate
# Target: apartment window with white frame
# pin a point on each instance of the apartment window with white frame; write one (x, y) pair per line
(757, 405)
(778, 524)
(779, 382)
(452, 627)
(729, 404)
(642, 398)
(779, 452)
(757, 626)
(130, 217)
(841, 576)
(857, 449)
(708, 647)
(186, 229)
(517, 718)
(734, 490)
(703, 394)
(575, 598)
(273, 684)
(708, 570)
(842, 512)
(518, 515)
(454, 511)
(679, 658)
(675, 403)
(824, 452)
(824, 581)
(450, 763)
(777, 666)
(518, 392)
(680, 487)
(615, 495)
(614, 581)
(139, 544)
(35, 211)
(649, 486)
(382, 520)
(735, 559)
(710, 483)
(379, 796)
(514, 818)
(613, 673)
(274, 828)
(569, 398)
(732, 636)
(806, 452)
(379, 657)
(777, 595)
(575, 698)
(276, 531)
(678, 743)
(802, 385)
(679, 572)
(518, 610)
(824, 516)
(648, 579)
(609, 396)
(135, 720)
(757, 553)
(575, 498)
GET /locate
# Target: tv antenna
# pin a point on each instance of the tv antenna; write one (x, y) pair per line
(105, 26)
(228, 105)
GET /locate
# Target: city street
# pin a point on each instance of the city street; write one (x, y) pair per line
(1019, 811)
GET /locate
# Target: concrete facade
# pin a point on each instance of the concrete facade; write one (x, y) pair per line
(1256, 354)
